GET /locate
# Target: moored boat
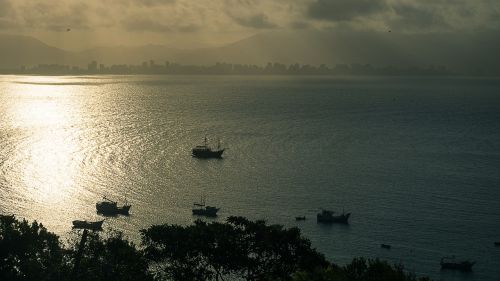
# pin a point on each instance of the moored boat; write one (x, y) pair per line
(200, 209)
(110, 208)
(96, 225)
(205, 151)
(385, 246)
(300, 218)
(453, 264)
(326, 216)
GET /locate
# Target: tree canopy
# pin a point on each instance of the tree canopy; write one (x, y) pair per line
(238, 249)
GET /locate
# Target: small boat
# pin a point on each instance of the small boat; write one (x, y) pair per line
(91, 225)
(200, 209)
(497, 244)
(111, 208)
(205, 151)
(302, 218)
(327, 216)
(385, 246)
(452, 263)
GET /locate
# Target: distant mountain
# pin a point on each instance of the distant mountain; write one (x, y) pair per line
(459, 51)
(468, 52)
(16, 50)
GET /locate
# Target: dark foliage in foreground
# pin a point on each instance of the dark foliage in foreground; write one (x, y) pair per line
(29, 252)
(238, 249)
(359, 269)
(111, 258)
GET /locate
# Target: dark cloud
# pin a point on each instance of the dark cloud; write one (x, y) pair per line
(344, 10)
(6, 24)
(154, 2)
(152, 25)
(413, 17)
(144, 24)
(258, 21)
(5, 8)
(299, 25)
(188, 28)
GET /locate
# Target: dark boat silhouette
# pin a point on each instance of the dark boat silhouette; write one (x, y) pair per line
(453, 264)
(111, 208)
(200, 209)
(497, 244)
(205, 151)
(96, 225)
(302, 218)
(327, 216)
(385, 246)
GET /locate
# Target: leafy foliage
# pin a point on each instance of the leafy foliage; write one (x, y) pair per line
(28, 251)
(238, 248)
(111, 258)
(359, 269)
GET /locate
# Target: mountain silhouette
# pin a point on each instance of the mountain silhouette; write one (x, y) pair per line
(466, 52)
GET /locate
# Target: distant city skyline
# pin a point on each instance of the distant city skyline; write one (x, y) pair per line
(466, 54)
(152, 67)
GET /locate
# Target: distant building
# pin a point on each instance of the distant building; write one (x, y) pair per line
(92, 67)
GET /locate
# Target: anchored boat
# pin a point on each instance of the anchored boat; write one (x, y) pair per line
(326, 216)
(205, 151)
(452, 263)
(96, 225)
(200, 209)
(385, 246)
(110, 208)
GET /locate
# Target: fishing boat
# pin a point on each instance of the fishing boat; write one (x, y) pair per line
(200, 209)
(91, 225)
(205, 151)
(110, 208)
(453, 264)
(326, 216)
(385, 246)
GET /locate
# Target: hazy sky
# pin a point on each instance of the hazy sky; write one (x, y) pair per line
(197, 23)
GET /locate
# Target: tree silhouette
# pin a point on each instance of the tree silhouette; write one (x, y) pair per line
(29, 252)
(359, 269)
(111, 258)
(239, 247)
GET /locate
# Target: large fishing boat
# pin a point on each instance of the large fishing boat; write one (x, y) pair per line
(452, 263)
(110, 208)
(205, 151)
(200, 209)
(326, 216)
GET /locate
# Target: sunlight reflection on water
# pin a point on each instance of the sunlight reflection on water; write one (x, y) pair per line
(43, 163)
(413, 175)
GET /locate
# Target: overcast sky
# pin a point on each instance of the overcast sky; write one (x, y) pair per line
(197, 23)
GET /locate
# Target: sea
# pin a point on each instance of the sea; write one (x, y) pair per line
(415, 160)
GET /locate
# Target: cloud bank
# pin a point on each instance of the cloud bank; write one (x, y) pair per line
(229, 18)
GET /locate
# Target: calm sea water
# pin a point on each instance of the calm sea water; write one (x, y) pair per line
(416, 160)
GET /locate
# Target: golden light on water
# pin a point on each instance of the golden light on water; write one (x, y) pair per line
(43, 165)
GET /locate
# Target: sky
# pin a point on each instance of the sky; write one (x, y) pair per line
(201, 23)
